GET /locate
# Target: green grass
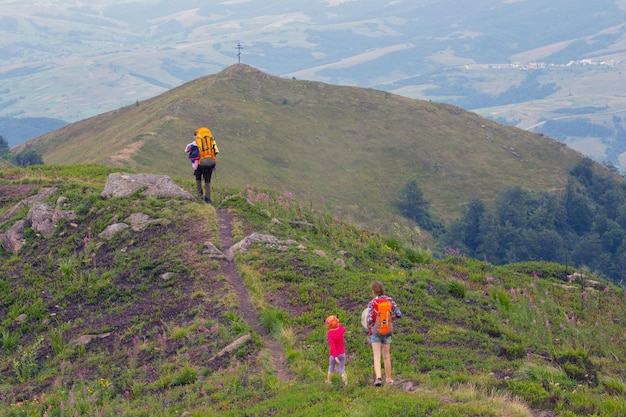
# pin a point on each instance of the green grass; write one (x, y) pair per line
(343, 150)
(475, 339)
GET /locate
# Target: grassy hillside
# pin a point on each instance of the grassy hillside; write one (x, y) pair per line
(475, 339)
(345, 149)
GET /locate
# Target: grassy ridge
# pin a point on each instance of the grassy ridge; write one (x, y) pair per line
(346, 148)
(476, 339)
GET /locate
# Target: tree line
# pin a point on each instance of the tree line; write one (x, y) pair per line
(24, 158)
(583, 226)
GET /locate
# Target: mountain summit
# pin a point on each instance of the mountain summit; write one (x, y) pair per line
(348, 149)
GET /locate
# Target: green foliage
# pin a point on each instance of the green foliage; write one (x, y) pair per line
(186, 375)
(457, 289)
(161, 319)
(272, 319)
(68, 267)
(613, 385)
(531, 392)
(513, 350)
(28, 157)
(5, 150)
(501, 298)
(25, 364)
(577, 365)
(580, 226)
(9, 340)
(419, 256)
(413, 206)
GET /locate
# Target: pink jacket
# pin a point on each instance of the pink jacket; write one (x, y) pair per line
(336, 341)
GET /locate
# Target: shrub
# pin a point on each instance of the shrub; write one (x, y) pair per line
(513, 351)
(9, 340)
(531, 392)
(25, 366)
(501, 298)
(577, 365)
(272, 319)
(457, 289)
(419, 256)
(185, 376)
(613, 386)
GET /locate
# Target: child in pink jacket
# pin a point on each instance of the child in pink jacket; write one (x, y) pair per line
(337, 359)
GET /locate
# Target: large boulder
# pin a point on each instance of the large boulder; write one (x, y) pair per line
(124, 185)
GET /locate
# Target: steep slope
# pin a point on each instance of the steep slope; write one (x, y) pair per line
(347, 149)
(154, 320)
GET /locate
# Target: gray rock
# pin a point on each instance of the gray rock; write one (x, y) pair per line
(111, 230)
(124, 185)
(12, 240)
(213, 252)
(139, 221)
(43, 218)
(42, 195)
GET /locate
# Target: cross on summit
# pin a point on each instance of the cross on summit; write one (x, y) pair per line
(239, 48)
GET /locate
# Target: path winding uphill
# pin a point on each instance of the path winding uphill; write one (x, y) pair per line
(246, 308)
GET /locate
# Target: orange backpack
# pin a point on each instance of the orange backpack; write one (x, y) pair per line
(206, 143)
(382, 325)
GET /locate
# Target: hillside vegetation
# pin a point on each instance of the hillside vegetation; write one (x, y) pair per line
(346, 149)
(141, 324)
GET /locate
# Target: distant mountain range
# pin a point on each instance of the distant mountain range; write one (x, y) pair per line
(554, 67)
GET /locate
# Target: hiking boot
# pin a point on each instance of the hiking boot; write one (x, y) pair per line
(207, 200)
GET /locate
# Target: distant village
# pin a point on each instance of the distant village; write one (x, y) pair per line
(543, 65)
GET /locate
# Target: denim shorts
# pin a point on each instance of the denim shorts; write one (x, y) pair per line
(385, 340)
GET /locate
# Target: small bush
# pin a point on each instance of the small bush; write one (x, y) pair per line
(419, 256)
(457, 289)
(501, 298)
(613, 386)
(393, 244)
(577, 365)
(513, 351)
(185, 376)
(272, 319)
(531, 392)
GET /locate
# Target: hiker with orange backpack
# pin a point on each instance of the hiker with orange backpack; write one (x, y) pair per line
(206, 161)
(381, 311)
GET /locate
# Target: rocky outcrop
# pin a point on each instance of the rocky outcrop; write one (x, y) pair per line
(267, 240)
(42, 195)
(43, 217)
(124, 185)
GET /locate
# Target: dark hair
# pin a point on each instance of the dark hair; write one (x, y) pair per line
(377, 288)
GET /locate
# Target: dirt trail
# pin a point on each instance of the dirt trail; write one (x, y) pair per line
(246, 308)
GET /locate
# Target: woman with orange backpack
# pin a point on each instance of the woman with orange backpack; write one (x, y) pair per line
(381, 311)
